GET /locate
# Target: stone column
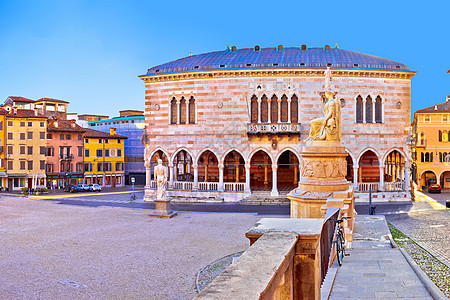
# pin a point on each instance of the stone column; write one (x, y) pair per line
(148, 174)
(237, 169)
(266, 179)
(178, 111)
(171, 170)
(355, 176)
(407, 177)
(381, 178)
(289, 110)
(274, 191)
(295, 175)
(206, 172)
(364, 111)
(279, 110)
(195, 187)
(247, 179)
(187, 111)
(221, 177)
(259, 111)
(269, 104)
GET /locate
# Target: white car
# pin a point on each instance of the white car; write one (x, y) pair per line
(84, 187)
(95, 188)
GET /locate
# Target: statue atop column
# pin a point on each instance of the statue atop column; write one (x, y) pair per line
(328, 127)
(160, 172)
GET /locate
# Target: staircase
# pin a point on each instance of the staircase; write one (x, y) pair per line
(260, 198)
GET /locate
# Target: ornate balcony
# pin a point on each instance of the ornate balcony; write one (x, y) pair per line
(273, 128)
(65, 156)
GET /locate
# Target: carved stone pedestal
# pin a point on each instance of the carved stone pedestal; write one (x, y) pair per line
(162, 209)
(323, 171)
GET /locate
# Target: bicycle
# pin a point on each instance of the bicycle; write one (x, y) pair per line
(340, 240)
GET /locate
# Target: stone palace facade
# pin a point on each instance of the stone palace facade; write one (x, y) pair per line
(232, 123)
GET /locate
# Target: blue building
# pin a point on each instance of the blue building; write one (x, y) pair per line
(130, 123)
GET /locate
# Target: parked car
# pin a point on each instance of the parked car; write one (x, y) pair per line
(84, 187)
(95, 188)
(434, 188)
(72, 188)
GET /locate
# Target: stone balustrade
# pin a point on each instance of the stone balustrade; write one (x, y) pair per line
(288, 259)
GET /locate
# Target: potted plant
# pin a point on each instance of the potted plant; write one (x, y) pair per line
(38, 191)
(24, 191)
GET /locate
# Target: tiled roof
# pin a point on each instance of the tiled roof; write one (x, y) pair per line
(119, 119)
(52, 100)
(289, 57)
(437, 108)
(91, 133)
(64, 125)
(21, 99)
(24, 113)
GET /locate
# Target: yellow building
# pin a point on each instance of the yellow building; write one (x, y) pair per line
(26, 132)
(431, 150)
(104, 158)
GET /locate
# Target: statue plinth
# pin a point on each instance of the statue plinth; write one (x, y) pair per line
(162, 209)
(322, 177)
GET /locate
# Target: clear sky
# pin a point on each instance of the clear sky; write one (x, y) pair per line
(91, 52)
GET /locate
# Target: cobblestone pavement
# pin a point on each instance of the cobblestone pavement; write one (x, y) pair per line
(428, 228)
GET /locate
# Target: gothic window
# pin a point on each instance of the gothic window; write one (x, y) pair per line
(173, 111)
(422, 157)
(427, 157)
(445, 136)
(369, 109)
(359, 109)
(274, 109)
(182, 111)
(378, 110)
(445, 157)
(440, 136)
(254, 109)
(284, 109)
(264, 109)
(440, 156)
(294, 109)
(192, 110)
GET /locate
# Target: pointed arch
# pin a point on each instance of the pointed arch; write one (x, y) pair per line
(274, 109)
(403, 154)
(152, 153)
(192, 110)
(173, 111)
(199, 154)
(264, 109)
(284, 108)
(359, 109)
(378, 109)
(294, 109)
(254, 109)
(260, 149)
(180, 149)
(369, 109)
(286, 149)
(369, 149)
(222, 158)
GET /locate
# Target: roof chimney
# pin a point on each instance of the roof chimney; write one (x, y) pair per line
(112, 131)
(36, 112)
(448, 98)
(435, 107)
(15, 110)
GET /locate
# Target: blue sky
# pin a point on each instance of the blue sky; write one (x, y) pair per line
(91, 52)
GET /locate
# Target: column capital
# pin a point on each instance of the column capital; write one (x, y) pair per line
(274, 167)
(220, 165)
(171, 165)
(247, 165)
(355, 166)
(195, 166)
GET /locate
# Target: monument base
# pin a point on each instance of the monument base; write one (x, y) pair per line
(162, 209)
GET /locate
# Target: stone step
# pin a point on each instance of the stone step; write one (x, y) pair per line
(196, 199)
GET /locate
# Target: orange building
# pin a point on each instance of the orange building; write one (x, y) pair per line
(65, 153)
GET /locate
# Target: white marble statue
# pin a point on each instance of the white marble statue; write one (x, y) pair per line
(160, 172)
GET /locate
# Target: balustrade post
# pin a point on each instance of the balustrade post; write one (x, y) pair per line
(195, 186)
(274, 191)
(221, 167)
(381, 188)
(247, 179)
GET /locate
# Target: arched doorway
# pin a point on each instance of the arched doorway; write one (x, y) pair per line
(208, 167)
(182, 165)
(154, 161)
(369, 172)
(260, 172)
(288, 173)
(427, 178)
(234, 167)
(394, 167)
(445, 180)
